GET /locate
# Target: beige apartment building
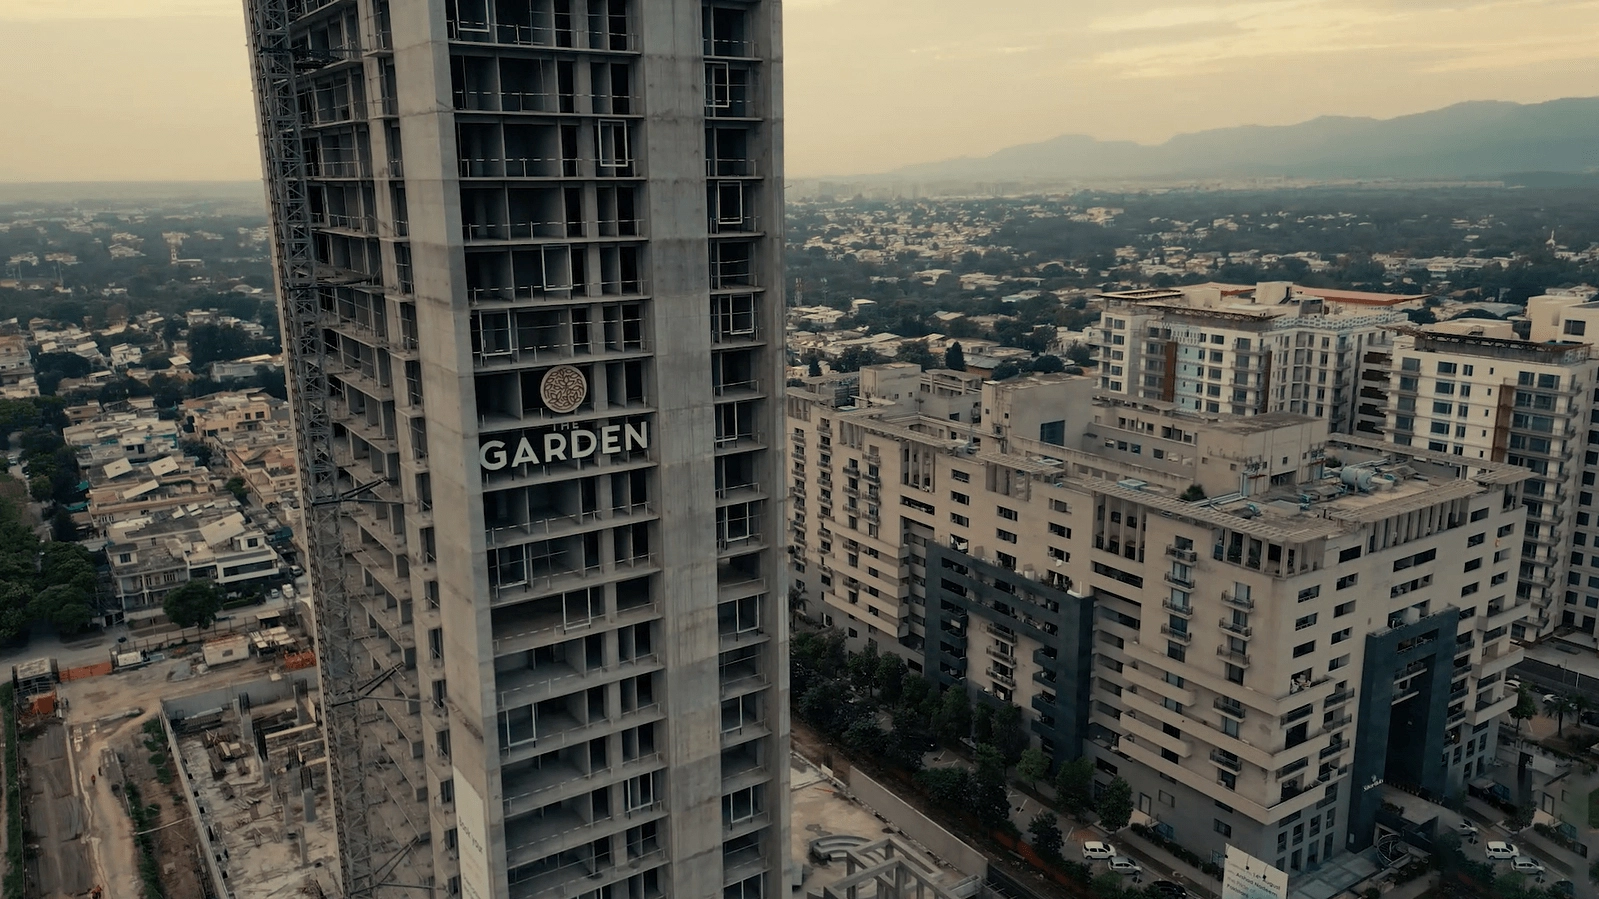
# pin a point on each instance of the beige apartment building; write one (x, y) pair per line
(1237, 350)
(1474, 388)
(1250, 619)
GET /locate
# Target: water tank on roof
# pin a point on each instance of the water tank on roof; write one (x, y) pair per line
(1358, 478)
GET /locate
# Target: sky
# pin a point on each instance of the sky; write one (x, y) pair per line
(94, 90)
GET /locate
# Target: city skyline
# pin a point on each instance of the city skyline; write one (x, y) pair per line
(162, 93)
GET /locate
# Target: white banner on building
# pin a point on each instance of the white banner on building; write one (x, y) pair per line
(1247, 877)
(469, 823)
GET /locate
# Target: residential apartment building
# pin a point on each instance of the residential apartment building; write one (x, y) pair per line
(1250, 619)
(1274, 347)
(155, 554)
(132, 432)
(1474, 388)
(530, 257)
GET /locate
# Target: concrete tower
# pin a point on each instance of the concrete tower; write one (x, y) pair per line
(528, 253)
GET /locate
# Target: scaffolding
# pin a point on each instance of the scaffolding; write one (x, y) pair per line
(275, 64)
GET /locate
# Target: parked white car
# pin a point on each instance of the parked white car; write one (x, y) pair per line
(1500, 851)
(1121, 864)
(1096, 851)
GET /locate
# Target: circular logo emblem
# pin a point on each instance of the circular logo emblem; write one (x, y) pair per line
(563, 389)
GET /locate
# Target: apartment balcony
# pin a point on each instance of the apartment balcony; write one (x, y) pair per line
(1237, 658)
(1185, 611)
(1241, 602)
(1226, 760)
(1187, 555)
(1008, 680)
(1043, 704)
(559, 729)
(1181, 581)
(514, 689)
(1233, 627)
(1180, 636)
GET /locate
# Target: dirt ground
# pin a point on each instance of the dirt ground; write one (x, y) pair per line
(59, 867)
(104, 717)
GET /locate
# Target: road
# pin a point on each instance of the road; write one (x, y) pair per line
(61, 864)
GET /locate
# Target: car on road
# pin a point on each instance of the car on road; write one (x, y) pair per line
(1526, 865)
(1499, 850)
(1166, 889)
(1095, 851)
(1121, 864)
(1466, 829)
(276, 593)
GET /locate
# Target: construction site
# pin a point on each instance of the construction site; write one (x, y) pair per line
(199, 773)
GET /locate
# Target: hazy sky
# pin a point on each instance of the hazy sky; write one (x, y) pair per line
(158, 89)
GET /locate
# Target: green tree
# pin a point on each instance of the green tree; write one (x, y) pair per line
(1193, 494)
(1115, 805)
(889, 678)
(990, 797)
(200, 451)
(915, 351)
(865, 737)
(1045, 831)
(855, 358)
(1074, 786)
(1033, 765)
(1080, 353)
(1010, 735)
(955, 357)
(1526, 707)
(238, 488)
(947, 787)
(40, 487)
(1558, 706)
(983, 723)
(814, 367)
(194, 604)
(1005, 371)
(952, 719)
(1047, 364)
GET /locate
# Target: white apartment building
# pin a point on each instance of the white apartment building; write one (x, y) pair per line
(529, 257)
(1336, 611)
(1473, 388)
(1274, 347)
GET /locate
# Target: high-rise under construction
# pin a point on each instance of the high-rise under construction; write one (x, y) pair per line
(528, 256)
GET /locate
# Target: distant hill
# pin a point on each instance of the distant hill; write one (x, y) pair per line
(1467, 140)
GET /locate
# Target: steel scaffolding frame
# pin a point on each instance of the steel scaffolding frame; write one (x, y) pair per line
(274, 62)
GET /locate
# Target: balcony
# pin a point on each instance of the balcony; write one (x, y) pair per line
(1226, 760)
(1183, 553)
(1180, 636)
(1000, 678)
(1185, 611)
(1233, 627)
(1241, 602)
(1237, 658)
(1181, 581)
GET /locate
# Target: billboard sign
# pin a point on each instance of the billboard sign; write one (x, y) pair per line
(1247, 877)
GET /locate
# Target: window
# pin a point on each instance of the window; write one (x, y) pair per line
(1304, 649)
(1005, 535)
(1222, 827)
(1007, 514)
(1341, 636)
(1576, 327)
(961, 498)
(1176, 651)
(961, 520)
(1305, 621)
(1309, 593)
(1347, 581)
(1060, 530)
(1349, 554)
(960, 476)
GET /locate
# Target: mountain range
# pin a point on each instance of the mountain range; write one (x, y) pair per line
(1481, 139)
